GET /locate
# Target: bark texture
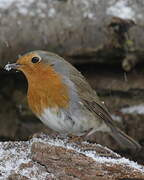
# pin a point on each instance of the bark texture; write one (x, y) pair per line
(47, 158)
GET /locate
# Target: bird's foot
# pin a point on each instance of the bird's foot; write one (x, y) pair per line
(75, 139)
(35, 135)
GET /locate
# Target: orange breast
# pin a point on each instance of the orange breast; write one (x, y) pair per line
(46, 90)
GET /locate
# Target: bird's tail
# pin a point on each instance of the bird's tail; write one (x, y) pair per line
(125, 141)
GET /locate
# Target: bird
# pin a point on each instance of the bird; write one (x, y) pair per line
(60, 96)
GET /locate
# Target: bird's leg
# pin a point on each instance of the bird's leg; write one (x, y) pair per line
(75, 139)
(79, 139)
(89, 132)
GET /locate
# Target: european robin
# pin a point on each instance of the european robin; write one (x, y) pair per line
(62, 99)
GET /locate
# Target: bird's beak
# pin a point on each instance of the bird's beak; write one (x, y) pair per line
(8, 67)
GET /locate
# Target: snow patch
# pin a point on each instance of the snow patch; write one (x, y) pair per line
(87, 3)
(122, 10)
(22, 6)
(51, 12)
(5, 3)
(33, 173)
(11, 158)
(7, 67)
(87, 9)
(13, 155)
(89, 15)
(116, 118)
(137, 109)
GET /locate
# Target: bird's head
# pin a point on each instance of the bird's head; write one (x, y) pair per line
(36, 62)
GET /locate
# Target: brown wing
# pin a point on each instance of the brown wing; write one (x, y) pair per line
(90, 99)
(100, 111)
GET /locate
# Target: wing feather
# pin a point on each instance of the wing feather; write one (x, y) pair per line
(90, 99)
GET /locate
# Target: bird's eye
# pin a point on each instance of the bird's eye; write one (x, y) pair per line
(35, 59)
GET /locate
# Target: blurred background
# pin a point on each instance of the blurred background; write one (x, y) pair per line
(103, 39)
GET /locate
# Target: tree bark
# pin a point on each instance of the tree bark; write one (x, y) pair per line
(49, 158)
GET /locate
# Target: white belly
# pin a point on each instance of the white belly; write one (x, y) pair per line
(78, 124)
(56, 120)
